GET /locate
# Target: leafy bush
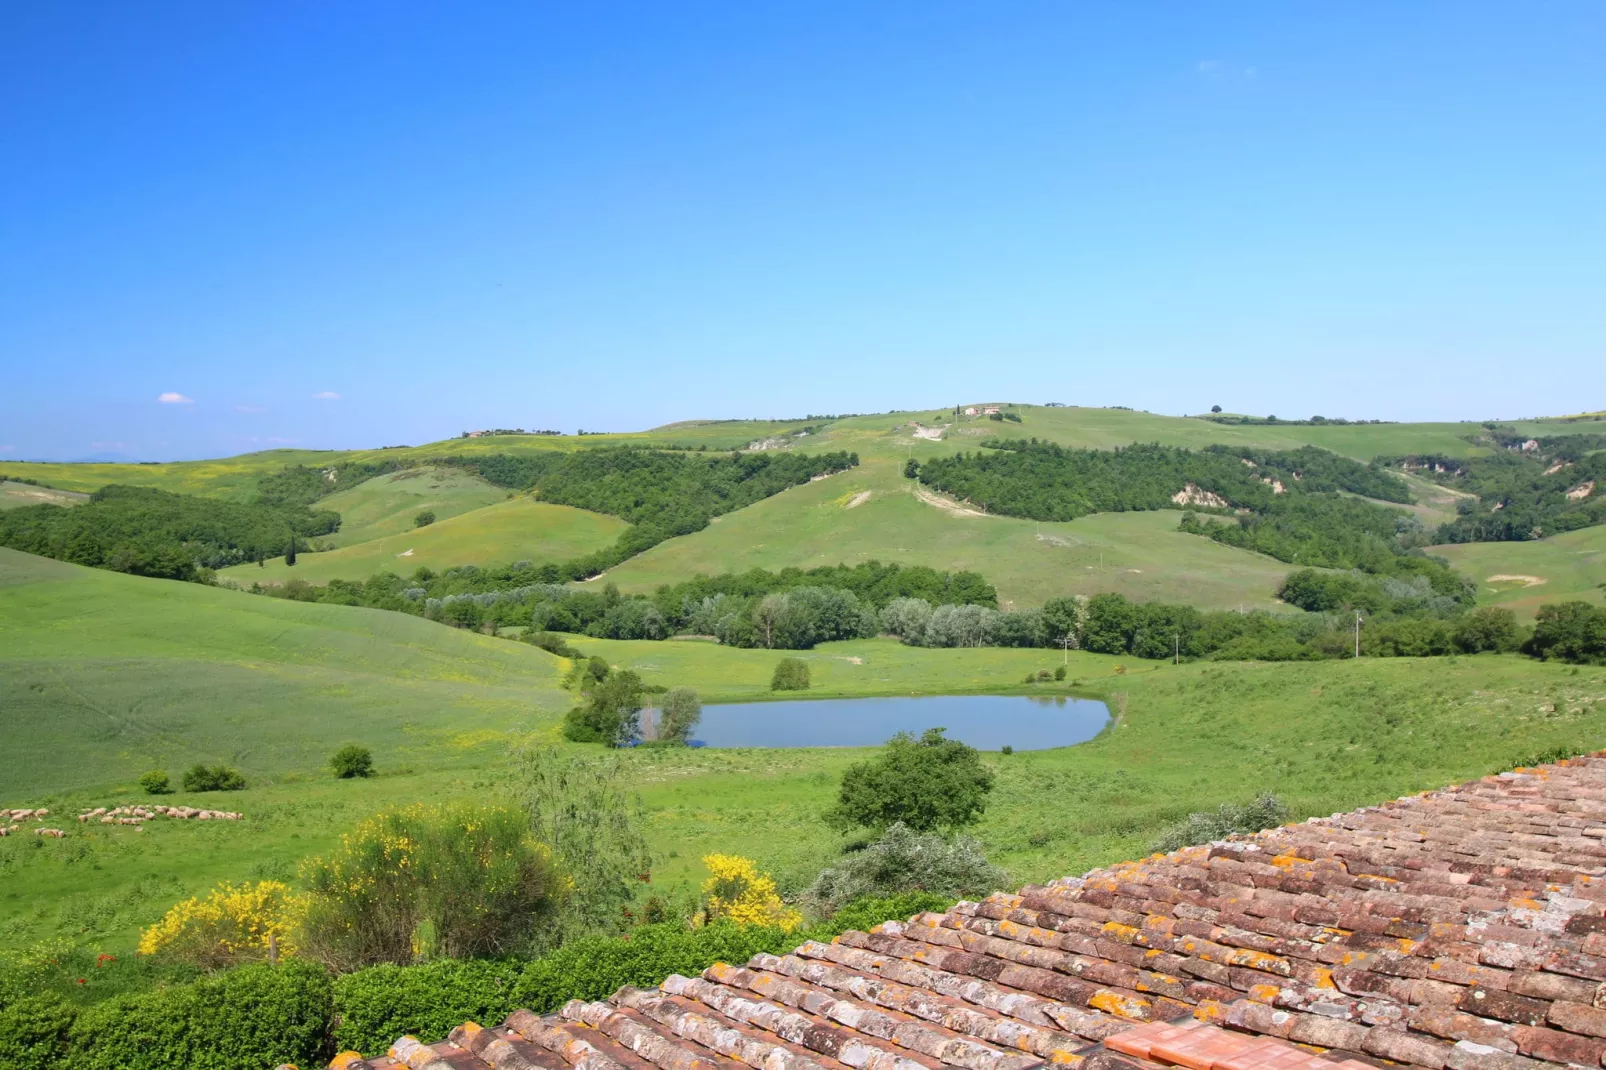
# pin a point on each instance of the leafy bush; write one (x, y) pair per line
(552, 643)
(737, 892)
(231, 925)
(34, 1032)
(253, 1016)
(866, 913)
(791, 674)
(903, 861)
(156, 783)
(926, 783)
(590, 816)
(1267, 811)
(1572, 631)
(352, 760)
(1488, 628)
(457, 881)
(424, 519)
(378, 1004)
(217, 778)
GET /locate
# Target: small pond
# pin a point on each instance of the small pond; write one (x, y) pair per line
(987, 722)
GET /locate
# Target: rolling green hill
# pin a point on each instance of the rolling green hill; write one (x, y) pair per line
(387, 504)
(521, 529)
(1522, 576)
(103, 676)
(16, 495)
(873, 513)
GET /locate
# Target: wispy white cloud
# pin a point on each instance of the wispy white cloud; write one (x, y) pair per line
(326, 395)
(249, 408)
(171, 397)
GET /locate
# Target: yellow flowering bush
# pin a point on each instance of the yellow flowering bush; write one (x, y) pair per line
(736, 891)
(232, 924)
(425, 882)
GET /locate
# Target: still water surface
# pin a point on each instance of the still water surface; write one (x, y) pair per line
(988, 722)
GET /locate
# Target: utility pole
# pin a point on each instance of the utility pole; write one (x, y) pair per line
(1065, 642)
(1357, 633)
(1176, 649)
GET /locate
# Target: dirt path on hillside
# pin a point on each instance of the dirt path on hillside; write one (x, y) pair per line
(947, 505)
(858, 499)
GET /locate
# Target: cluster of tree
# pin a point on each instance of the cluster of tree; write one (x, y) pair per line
(1333, 531)
(299, 485)
(151, 532)
(1572, 631)
(613, 704)
(1556, 485)
(1045, 481)
(1419, 586)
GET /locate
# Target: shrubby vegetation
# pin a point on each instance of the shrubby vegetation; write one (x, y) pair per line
(903, 861)
(1044, 481)
(1522, 492)
(791, 674)
(1572, 631)
(427, 882)
(352, 760)
(150, 532)
(1267, 811)
(200, 777)
(925, 783)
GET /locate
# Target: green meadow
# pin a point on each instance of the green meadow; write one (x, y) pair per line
(1522, 576)
(872, 513)
(104, 676)
(388, 504)
(511, 530)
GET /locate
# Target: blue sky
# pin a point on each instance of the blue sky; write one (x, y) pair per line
(359, 224)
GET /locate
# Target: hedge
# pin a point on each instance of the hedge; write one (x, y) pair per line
(262, 1015)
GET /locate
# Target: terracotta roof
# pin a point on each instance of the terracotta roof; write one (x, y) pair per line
(1459, 928)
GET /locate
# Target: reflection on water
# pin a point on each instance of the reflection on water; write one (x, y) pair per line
(989, 722)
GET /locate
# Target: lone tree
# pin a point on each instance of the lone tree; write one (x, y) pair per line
(928, 783)
(791, 674)
(352, 760)
(290, 551)
(681, 713)
(424, 519)
(911, 469)
(1215, 408)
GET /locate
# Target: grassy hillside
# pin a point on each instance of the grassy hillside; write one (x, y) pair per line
(521, 529)
(873, 513)
(103, 676)
(387, 504)
(16, 495)
(1522, 576)
(1327, 736)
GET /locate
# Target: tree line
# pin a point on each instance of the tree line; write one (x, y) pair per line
(149, 532)
(1045, 481)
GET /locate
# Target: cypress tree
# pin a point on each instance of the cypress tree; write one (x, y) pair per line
(290, 552)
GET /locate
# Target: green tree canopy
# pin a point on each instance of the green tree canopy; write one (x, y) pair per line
(927, 783)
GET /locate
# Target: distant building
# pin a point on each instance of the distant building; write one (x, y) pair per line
(989, 410)
(971, 411)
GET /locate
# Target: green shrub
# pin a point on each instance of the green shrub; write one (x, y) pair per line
(792, 674)
(1267, 811)
(352, 761)
(156, 783)
(552, 643)
(217, 778)
(378, 1004)
(33, 1033)
(903, 861)
(613, 713)
(1059, 673)
(424, 519)
(457, 881)
(926, 783)
(866, 913)
(253, 1016)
